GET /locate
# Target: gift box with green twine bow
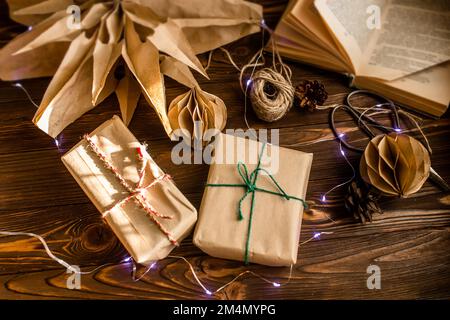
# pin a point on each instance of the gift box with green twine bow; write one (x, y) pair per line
(252, 205)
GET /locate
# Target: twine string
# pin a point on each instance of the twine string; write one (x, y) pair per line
(271, 105)
(136, 193)
(268, 106)
(251, 187)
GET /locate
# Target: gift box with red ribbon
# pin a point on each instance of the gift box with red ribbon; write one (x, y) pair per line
(141, 204)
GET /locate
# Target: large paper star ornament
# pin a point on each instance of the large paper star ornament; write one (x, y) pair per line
(94, 48)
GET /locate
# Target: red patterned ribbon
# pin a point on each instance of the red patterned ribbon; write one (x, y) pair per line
(136, 193)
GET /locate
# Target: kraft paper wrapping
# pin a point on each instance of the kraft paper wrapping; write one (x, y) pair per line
(149, 38)
(276, 221)
(138, 233)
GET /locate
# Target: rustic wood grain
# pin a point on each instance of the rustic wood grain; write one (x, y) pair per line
(409, 241)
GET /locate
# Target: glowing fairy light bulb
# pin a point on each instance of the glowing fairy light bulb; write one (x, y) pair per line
(397, 130)
(208, 292)
(276, 284)
(249, 82)
(324, 198)
(316, 235)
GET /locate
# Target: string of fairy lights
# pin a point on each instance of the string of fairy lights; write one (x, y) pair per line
(153, 265)
(134, 274)
(258, 60)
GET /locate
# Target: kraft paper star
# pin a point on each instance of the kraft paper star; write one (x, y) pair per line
(96, 48)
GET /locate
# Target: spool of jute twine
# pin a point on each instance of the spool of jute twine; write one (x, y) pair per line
(271, 94)
(270, 89)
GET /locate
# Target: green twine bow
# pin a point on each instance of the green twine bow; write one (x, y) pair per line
(251, 187)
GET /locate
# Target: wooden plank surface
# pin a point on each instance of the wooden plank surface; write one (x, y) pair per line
(409, 242)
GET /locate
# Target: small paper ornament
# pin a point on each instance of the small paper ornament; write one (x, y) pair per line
(196, 111)
(395, 164)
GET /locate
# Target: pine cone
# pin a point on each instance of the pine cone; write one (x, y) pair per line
(310, 94)
(361, 201)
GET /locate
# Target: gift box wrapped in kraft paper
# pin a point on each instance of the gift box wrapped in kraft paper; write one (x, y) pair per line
(253, 202)
(140, 203)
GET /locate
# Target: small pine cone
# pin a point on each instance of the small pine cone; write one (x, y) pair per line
(310, 94)
(361, 202)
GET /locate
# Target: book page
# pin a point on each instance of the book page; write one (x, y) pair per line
(411, 35)
(290, 41)
(414, 35)
(304, 13)
(299, 54)
(346, 20)
(431, 84)
(426, 90)
(294, 40)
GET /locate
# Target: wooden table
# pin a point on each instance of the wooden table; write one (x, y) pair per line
(410, 242)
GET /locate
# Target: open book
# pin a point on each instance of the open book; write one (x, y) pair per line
(397, 48)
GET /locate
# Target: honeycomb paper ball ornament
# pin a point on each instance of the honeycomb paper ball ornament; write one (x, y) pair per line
(195, 112)
(395, 164)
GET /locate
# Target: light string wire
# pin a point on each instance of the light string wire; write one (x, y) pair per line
(257, 60)
(253, 63)
(52, 256)
(376, 109)
(316, 236)
(27, 93)
(19, 85)
(284, 69)
(341, 150)
(379, 110)
(414, 119)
